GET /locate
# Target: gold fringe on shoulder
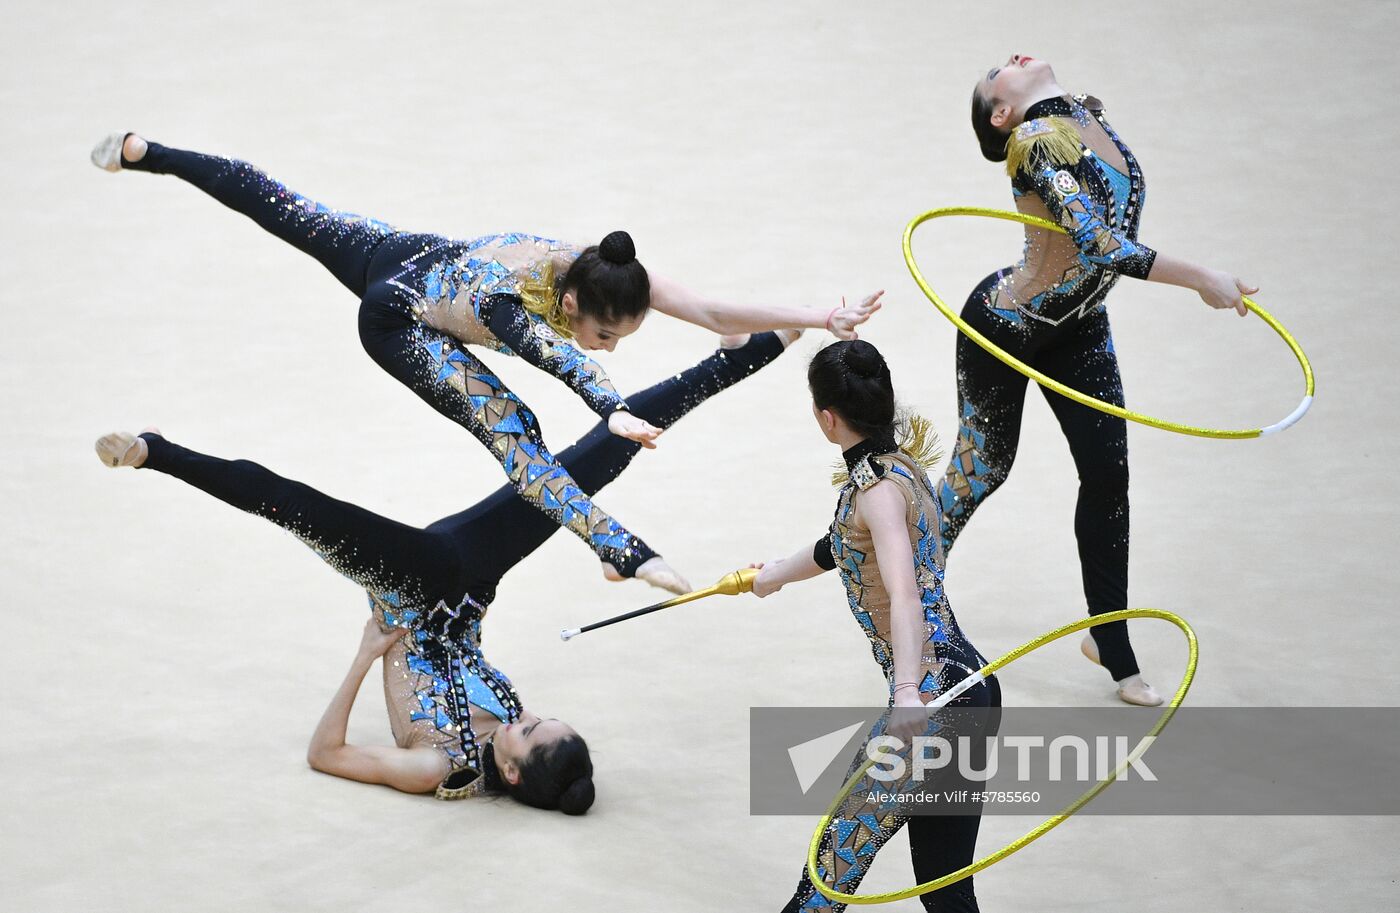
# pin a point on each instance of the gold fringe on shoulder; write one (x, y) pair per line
(538, 294)
(1046, 138)
(917, 440)
(920, 443)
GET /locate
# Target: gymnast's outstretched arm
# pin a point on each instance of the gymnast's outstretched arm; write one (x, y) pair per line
(802, 565)
(672, 298)
(410, 770)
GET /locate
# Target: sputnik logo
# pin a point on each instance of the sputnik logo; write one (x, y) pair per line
(811, 758)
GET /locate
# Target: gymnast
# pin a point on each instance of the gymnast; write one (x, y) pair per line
(425, 299)
(884, 542)
(1067, 165)
(459, 725)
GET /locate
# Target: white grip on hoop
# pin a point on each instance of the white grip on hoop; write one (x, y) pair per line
(1292, 418)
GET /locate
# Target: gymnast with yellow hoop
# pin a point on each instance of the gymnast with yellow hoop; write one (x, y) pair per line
(1069, 168)
(884, 542)
(831, 822)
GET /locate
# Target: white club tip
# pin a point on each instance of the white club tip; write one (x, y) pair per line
(568, 633)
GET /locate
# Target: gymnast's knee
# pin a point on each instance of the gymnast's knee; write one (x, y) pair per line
(381, 327)
(1105, 478)
(976, 486)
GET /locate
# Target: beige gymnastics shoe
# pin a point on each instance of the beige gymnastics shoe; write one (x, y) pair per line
(108, 153)
(120, 448)
(654, 571)
(1131, 690)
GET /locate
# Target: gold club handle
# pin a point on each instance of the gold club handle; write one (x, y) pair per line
(736, 582)
(731, 584)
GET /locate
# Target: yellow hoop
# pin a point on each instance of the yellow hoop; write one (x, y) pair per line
(1084, 399)
(1050, 823)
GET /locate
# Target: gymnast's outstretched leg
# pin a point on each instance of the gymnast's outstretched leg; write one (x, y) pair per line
(991, 398)
(435, 366)
(342, 242)
(502, 530)
(404, 563)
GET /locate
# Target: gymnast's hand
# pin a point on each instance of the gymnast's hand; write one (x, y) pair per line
(908, 717)
(769, 580)
(376, 641)
(625, 424)
(843, 321)
(1222, 291)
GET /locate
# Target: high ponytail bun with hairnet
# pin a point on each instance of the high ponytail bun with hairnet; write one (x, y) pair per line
(852, 378)
(608, 281)
(617, 248)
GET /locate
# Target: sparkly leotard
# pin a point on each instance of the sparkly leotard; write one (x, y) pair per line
(439, 581)
(947, 656)
(424, 300)
(859, 827)
(1097, 199)
(1048, 310)
(470, 290)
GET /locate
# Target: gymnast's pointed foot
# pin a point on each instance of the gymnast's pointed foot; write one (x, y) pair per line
(656, 572)
(739, 340)
(1133, 690)
(121, 448)
(118, 148)
(789, 336)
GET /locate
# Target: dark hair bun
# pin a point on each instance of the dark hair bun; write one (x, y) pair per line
(852, 378)
(864, 360)
(618, 248)
(578, 798)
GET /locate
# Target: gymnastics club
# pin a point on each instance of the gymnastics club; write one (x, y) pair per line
(731, 584)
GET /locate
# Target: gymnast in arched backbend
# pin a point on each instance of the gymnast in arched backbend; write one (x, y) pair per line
(426, 298)
(1067, 165)
(459, 724)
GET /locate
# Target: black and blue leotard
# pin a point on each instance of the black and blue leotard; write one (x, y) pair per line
(424, 300)
(1070, 167)
(861, 826)
(438, 581)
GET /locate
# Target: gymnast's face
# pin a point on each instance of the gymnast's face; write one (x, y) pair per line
(593, 334)
(514, 741)
(1011, 87)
